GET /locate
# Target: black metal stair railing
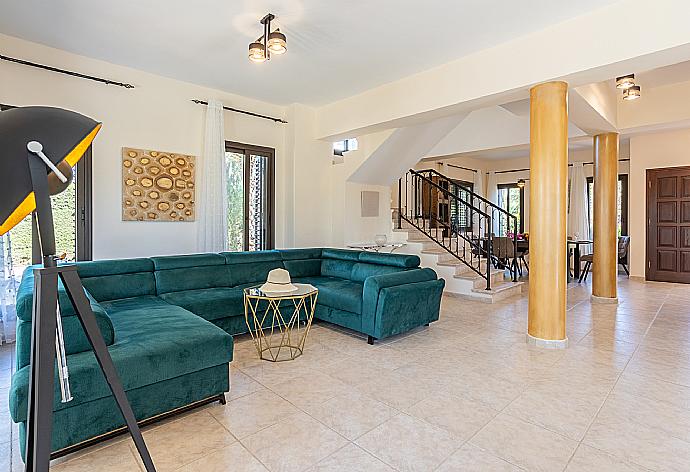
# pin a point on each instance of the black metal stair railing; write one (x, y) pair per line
(477, 232)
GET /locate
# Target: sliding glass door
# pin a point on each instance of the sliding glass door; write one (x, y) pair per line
(251, 196)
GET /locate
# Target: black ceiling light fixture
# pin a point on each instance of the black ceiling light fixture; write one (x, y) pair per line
(632, 93)
(272, 42)
(626, 83)
(521, 183)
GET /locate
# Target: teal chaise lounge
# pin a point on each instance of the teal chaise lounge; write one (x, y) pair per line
(168, 323)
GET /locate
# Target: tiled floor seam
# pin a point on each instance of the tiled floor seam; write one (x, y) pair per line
(236, 439)
(594, 418)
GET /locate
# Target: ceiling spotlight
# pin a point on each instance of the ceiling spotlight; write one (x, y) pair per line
(277, 43)
(632, 93)
(521, 183)
(271, 42)
(625, 82)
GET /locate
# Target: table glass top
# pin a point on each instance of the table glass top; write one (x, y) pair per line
(300, 290)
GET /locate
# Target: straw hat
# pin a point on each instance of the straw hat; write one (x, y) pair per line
(278, 281)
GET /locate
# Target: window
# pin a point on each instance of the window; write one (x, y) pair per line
(461, 214)
(622, 203)
(512, 199)
(341, 147)
(251, 196)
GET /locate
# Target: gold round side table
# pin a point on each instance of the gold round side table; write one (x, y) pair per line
(279, 337)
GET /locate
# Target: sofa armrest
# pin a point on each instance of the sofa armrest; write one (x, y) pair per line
(399, 284)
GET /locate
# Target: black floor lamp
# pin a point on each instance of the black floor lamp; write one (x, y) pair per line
(34, 141)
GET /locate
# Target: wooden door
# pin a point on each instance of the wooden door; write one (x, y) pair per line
(668, 224)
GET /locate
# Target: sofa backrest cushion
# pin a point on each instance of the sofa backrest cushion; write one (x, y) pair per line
(302, 262)
(338, 262)
(409, 261)
(341, 254)
(190, 272)
(360, 271)
(358, 265)
(117, 278)
(251, 267)
(24, 300)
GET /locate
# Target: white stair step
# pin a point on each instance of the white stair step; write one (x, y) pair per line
(466, 270)
(498, 292)
(436, 250)
(450, 262)
(479, 282)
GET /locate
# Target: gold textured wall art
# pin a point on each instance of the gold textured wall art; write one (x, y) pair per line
(157, 186)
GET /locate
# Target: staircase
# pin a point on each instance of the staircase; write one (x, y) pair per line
(453, 230)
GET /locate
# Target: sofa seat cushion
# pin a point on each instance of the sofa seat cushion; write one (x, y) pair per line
(209, 303)
(154, 341)
(336, 292)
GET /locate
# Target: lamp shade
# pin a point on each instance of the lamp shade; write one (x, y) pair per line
(277, 43)
(65, 136)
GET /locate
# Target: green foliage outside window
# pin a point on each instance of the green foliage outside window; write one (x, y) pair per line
(64, 207)
(235, 199)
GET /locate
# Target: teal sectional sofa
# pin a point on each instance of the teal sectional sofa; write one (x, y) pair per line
(168, 323)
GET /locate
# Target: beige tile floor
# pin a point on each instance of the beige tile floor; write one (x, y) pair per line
(466, 394)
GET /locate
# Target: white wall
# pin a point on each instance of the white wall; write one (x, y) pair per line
(349, 226)
(309, 190)
(650, 151)
(157, 114)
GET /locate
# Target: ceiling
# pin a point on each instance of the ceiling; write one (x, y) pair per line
(582, 143)
(336, 48)
(662, 76)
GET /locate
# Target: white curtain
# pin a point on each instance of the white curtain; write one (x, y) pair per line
(478, 188)
(492, 196)
(211, 198)
(478, 182)
(578, 218)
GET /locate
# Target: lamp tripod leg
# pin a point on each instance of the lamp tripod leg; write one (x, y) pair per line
(82, 307)
(41, 382)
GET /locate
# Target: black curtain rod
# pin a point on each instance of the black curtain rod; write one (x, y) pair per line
(66, 72)
(527, 169)
(459, 167)
(236, 110)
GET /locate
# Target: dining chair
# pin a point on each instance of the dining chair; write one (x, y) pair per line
(503, 253)
(623, 246)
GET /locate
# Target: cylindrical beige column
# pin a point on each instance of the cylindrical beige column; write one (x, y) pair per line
(605, 222)
(547, 222)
